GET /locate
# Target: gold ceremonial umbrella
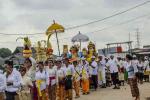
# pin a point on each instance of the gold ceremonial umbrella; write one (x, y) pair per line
(55, 28)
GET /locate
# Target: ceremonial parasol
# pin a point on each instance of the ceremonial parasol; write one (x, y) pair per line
(80, 38)
(55, 28)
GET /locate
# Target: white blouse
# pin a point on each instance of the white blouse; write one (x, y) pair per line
(44, 77)
(52, 73)
(26, 82)
(94, 71)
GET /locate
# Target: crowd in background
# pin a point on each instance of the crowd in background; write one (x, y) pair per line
(56, 79)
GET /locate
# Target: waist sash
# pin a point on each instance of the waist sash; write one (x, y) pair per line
(50, 79)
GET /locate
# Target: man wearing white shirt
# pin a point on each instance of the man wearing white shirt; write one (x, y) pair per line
(135, 64)
(140, 71)
(94, 72)
(114, 71)
(102, 71)
(125, 73)
(2, 84)
(108, 74)
(121, 70)
(13, 80)
(146, 69)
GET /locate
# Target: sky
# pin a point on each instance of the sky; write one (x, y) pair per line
(35, 16)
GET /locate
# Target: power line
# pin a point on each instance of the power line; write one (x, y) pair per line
(21, 34)
(122, 23)
(105, 28)
(116, 14)
(92, 22)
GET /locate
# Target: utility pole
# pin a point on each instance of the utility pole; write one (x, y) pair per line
(137, 38)
(130, 44)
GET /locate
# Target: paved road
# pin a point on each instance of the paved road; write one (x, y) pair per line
(123, 94)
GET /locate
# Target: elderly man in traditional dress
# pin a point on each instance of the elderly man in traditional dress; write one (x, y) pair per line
(94, 72)
(121, 70)
(114, 71)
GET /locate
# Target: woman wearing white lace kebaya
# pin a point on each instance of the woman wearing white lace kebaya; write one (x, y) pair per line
(25, 93)
(52, 72)
(132, 79)
(42, 82)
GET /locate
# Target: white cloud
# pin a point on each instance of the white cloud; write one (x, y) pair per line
(34, 16)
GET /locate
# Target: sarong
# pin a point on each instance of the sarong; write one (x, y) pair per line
(126, 75)
(2, 95)
(60, 92)
(100, 78)
(77, 87)
(121, 76)
(85, 85)
(134, 87)
(52, 92)
(11, 96)
(68, 87)
(25, 95)
(52, 89)
(44, 95)
(34, 92)
(68, 83)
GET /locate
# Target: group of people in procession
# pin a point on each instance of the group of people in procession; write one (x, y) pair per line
(56, 79)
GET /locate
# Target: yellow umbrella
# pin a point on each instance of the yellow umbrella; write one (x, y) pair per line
(55, 28)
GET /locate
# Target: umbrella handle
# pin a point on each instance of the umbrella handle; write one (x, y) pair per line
(57, 42)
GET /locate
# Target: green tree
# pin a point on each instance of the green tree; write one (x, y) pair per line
(5, 52)
(16, 51)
